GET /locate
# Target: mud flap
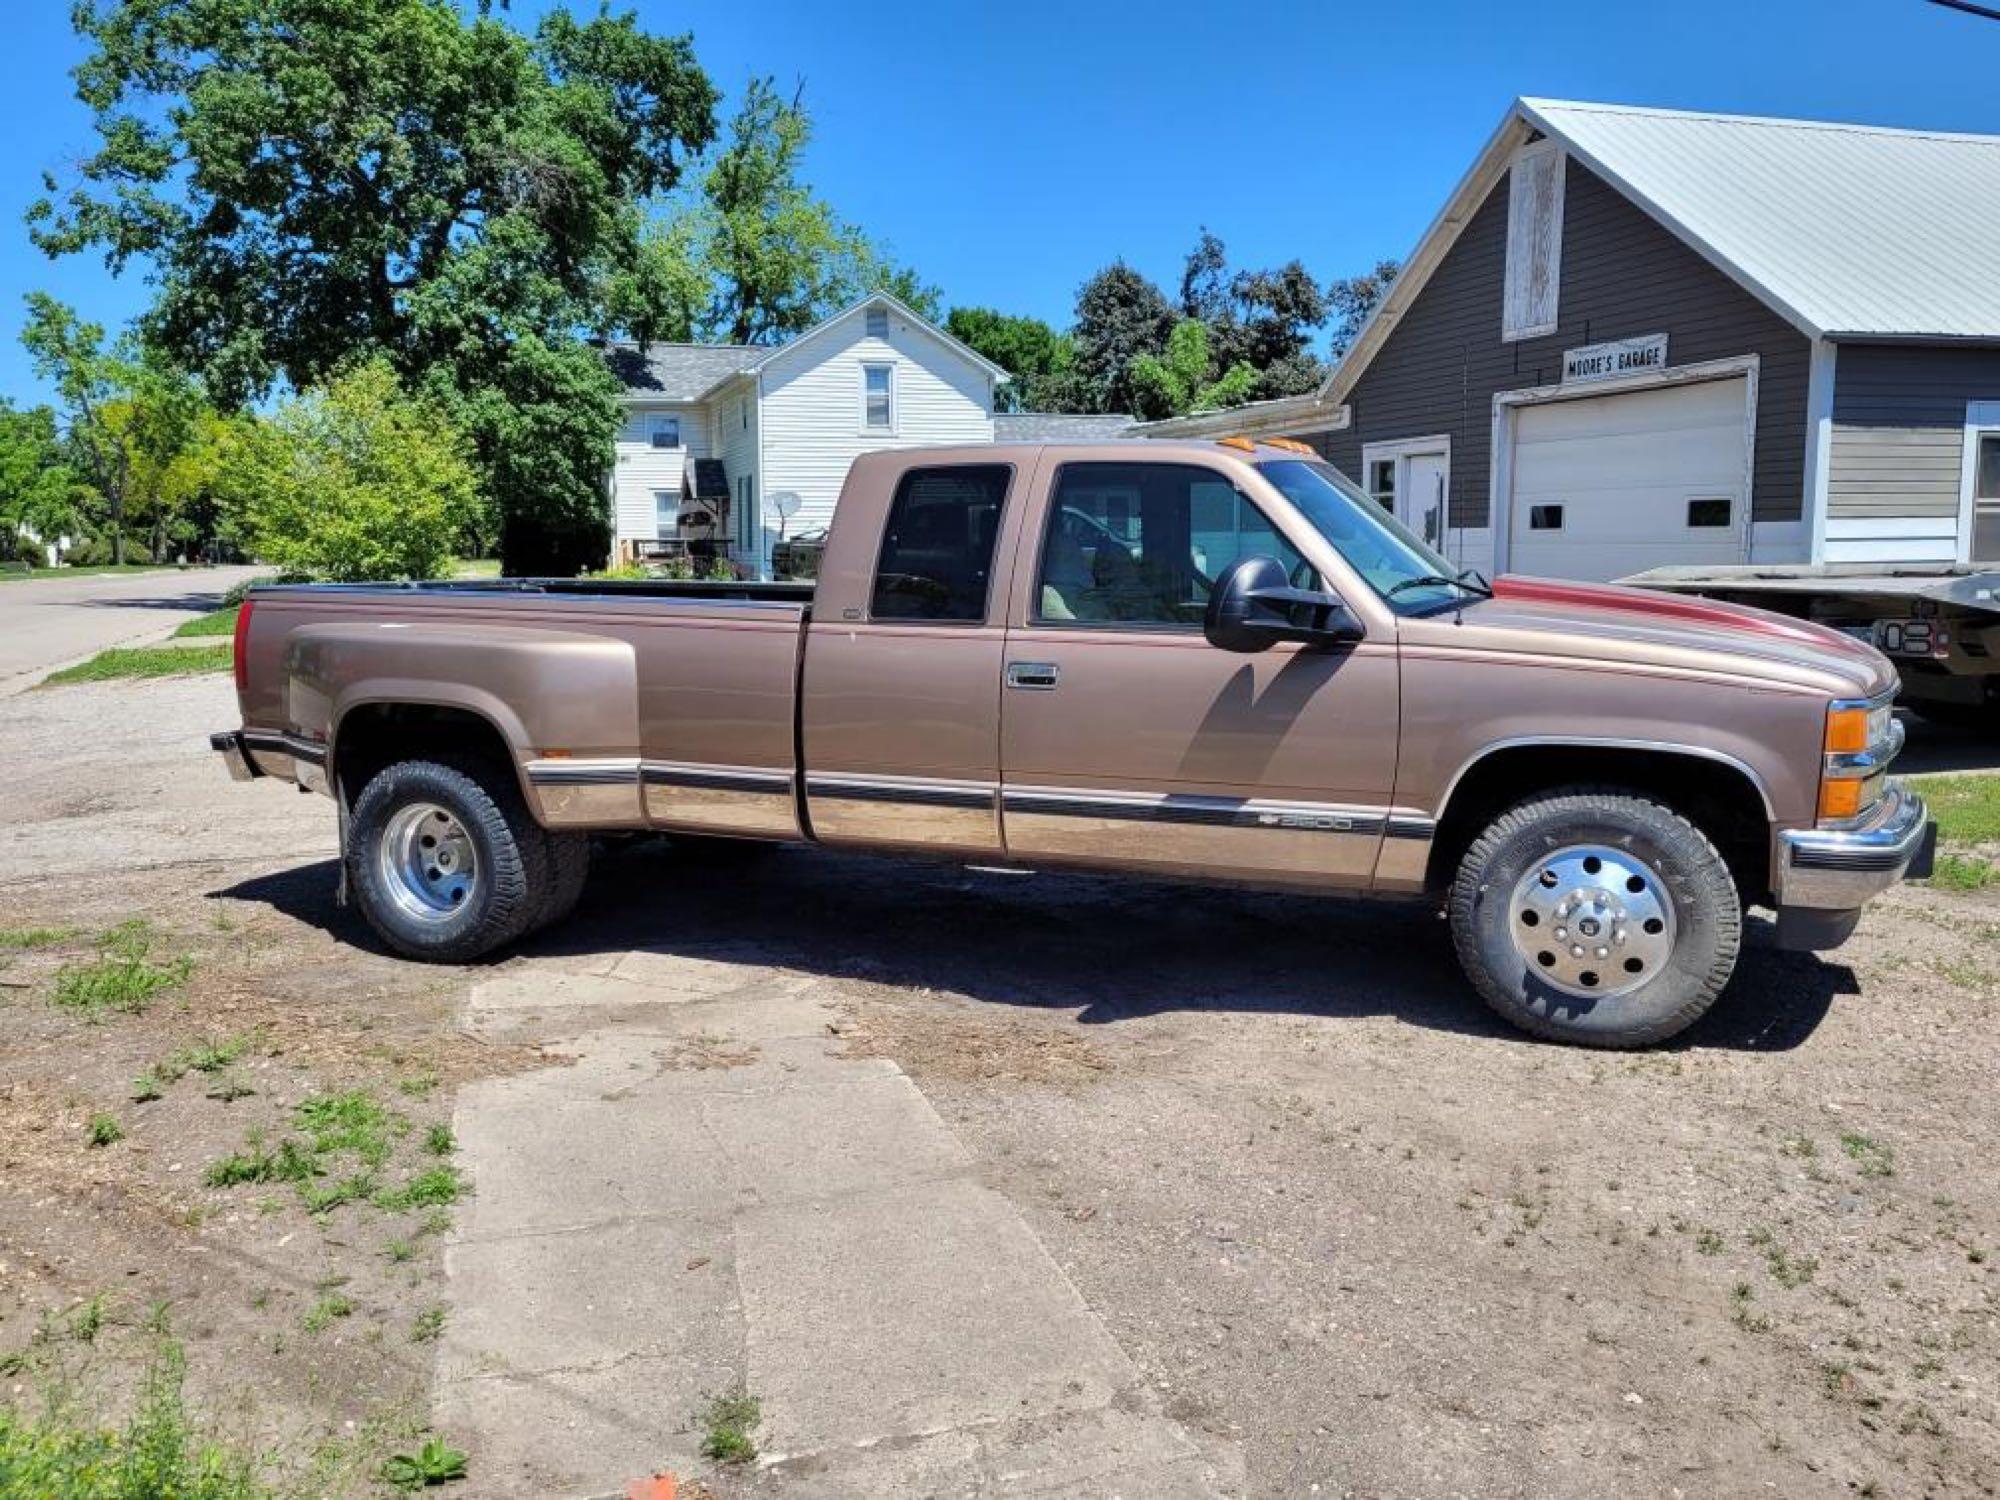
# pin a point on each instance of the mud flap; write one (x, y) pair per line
(340, 819)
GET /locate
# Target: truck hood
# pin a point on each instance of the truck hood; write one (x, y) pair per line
(1610, 623)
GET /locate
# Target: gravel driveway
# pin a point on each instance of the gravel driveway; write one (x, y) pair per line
(1349, 1234)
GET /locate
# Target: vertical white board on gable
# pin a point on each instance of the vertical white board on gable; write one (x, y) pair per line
(813, 428)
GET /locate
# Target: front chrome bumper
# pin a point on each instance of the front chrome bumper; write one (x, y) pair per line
(1826, 874)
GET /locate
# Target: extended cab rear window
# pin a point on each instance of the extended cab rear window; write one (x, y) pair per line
(937, 551)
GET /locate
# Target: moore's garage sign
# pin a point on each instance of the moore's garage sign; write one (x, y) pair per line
(1608, 361)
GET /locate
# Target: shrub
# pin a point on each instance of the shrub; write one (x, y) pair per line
(358, 480)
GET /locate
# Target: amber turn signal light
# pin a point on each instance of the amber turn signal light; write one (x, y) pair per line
(1840, 798)
(1846, 731)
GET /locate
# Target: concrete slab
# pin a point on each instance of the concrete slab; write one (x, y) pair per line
(865, 1132)
(1103, 1454)
(589, 1298)
(684, 974)
(576, 1435)
(909, 1311)
(538, 1164)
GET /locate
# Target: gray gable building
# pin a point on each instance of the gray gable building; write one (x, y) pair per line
(1635, 337)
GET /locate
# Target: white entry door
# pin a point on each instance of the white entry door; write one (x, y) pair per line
(1607, 486)
(1421, 502)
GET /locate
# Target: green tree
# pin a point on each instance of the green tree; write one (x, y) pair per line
(1263, 319)
(777, 258)
(1352, 300)
(92, 381)
(39, 491)
(355, 481)
(1176, 383)
(1042, 361)
(1120, 315)
(317, 182)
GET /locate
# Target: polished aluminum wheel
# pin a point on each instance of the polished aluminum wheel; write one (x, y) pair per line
(428, 863)
(1592, 920)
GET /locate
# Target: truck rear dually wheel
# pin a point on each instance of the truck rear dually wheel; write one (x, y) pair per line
(445, 860)
(1596, 917)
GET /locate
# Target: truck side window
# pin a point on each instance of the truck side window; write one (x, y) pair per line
(1142, 544)
(937, 550)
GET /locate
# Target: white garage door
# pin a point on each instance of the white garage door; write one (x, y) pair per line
(1613, 485)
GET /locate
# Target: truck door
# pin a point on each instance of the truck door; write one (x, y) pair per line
(1127, 740)
(900, 699)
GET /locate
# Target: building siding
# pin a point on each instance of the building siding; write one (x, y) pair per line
(812, 397)
(1623, 276)
(1899, 429)
(642, 469)
(739, 424)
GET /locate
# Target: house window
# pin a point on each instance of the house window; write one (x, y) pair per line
(1382, 483)
(878, 398)
(1714, 512)
(878, 322)
(746, 512)
(666, 513)
(1545, 518)
(743, 414)
(1534, 243)
(665, 431)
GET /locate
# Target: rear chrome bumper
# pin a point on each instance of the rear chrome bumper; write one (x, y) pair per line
(1826, 874)
(229, 745)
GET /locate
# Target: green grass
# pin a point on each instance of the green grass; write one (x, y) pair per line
(436, 1462)
(727, 1421)
(128, 661)
(1871, 1157)
(1967, 808)
(427, 1326)
(158, 1453)
(476, 567)
(352, 1121)
(323, 1313)
(17, 938)
(431, 1189)
(105, 1130)
(257, 1163)
(215, 622)
(102, 569)
(123, 977)
(1963, 872)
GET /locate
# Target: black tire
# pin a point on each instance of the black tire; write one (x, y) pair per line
(513, 863)
(569, 869)
(1706, 935)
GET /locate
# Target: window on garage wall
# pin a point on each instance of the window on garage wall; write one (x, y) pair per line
(1534, 242)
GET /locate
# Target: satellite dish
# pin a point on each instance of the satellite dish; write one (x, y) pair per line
(784, 505)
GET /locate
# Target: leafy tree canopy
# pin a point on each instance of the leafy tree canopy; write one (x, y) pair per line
(1042, 361)
(1350, 302)
(1120, 315)
(39, 492)
(355, 481)
(313, 182)
(756, 258)
(1176, 383)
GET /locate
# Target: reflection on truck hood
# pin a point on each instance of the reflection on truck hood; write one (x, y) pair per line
(1554, 617)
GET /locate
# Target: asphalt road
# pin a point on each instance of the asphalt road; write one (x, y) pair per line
(47, 623)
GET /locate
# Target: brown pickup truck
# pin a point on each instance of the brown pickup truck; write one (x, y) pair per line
(1208, 661)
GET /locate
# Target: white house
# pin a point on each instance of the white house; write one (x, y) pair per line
(719, 437)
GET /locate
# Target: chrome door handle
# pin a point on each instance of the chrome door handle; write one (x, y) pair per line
(1037, 675)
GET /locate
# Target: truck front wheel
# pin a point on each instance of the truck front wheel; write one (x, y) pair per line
(445, 861)
(1596, 917)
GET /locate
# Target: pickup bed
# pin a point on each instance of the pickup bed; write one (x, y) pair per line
(1216, 662)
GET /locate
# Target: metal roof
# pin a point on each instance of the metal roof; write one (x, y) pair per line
(1853, 230)
(1057, 427)
(678, 372)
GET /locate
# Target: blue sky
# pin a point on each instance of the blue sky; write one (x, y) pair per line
(1008, 151)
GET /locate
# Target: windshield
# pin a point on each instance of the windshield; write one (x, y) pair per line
(1409, 575)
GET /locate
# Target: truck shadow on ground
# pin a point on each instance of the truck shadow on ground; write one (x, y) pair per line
(1109, 950)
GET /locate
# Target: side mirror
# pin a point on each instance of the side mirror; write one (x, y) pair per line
(1254, 606)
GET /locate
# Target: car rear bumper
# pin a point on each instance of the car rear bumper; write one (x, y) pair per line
(253, 753)
(1826, 875)
(228, 744)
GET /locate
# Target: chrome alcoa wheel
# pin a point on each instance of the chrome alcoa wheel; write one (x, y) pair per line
(429, 865)
(1596, 916)
(445, 861)
(1593, 920)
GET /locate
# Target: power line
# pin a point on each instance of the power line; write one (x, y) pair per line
(1969, 8)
